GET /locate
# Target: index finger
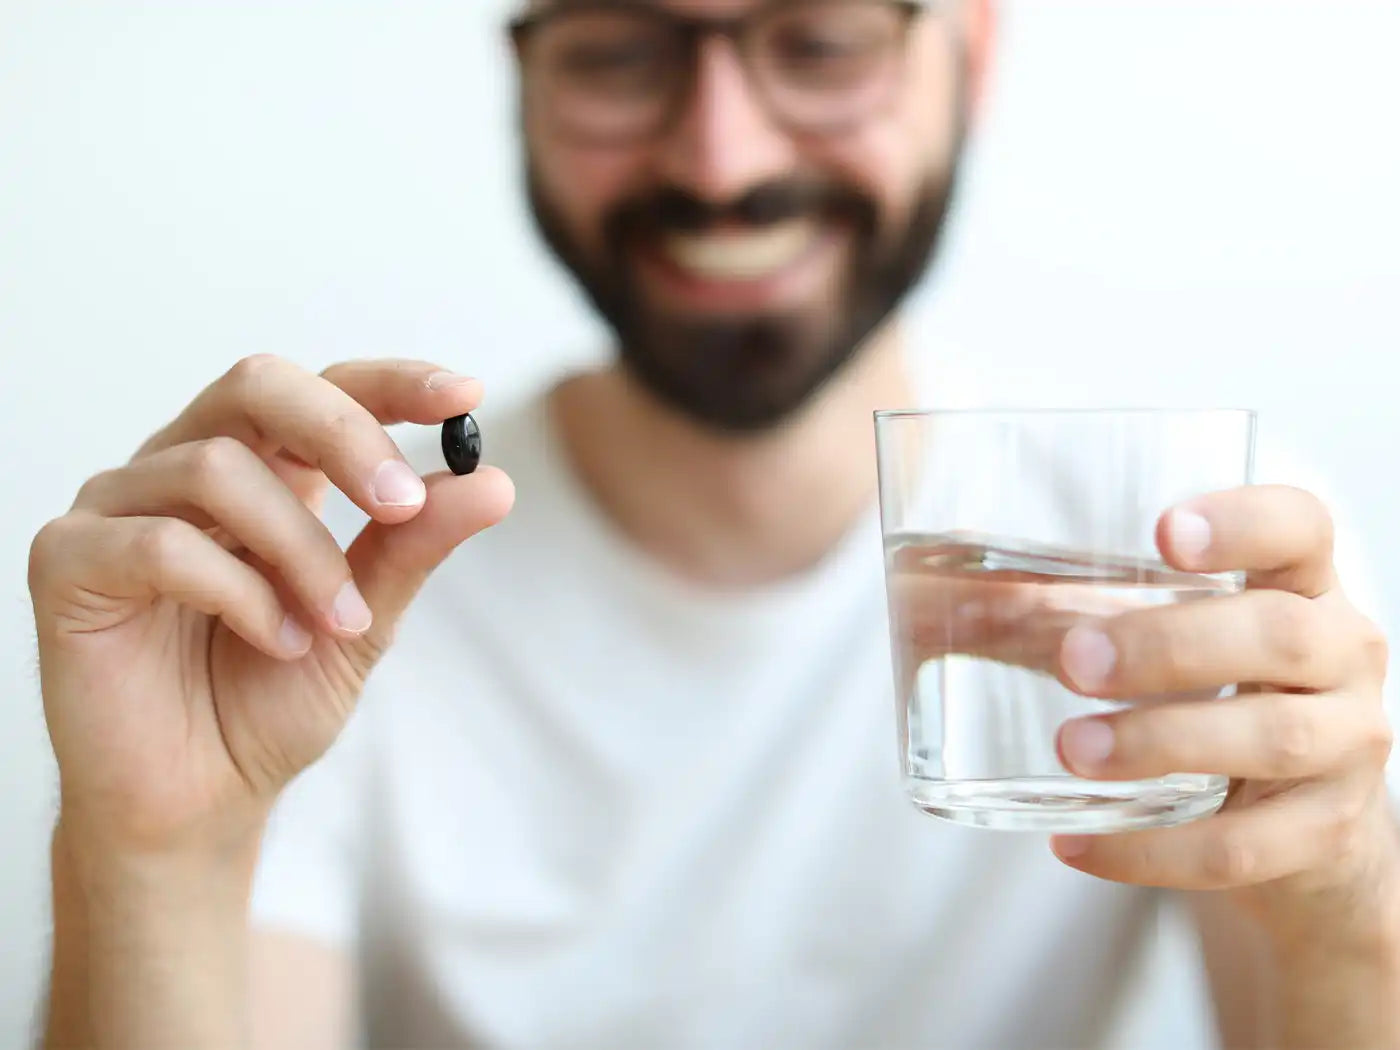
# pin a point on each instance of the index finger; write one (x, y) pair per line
(1280, 536)
(401, 391)
(333, 422)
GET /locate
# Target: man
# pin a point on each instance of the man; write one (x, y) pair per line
(622, 774)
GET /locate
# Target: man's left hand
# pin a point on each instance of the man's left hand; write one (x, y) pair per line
(1305, 739)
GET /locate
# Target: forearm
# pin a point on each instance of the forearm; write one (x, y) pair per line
(148, 953)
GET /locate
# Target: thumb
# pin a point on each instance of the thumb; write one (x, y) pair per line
(392, 562)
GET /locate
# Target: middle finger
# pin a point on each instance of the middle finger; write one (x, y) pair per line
(222, 482)
(1264, 637)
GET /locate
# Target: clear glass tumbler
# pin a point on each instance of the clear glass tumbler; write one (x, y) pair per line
(1002, 530)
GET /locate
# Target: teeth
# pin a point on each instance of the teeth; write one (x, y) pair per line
(741, 255)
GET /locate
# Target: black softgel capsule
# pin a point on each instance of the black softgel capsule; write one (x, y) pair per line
(461, 444)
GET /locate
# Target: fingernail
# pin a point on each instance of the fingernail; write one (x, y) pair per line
(350, 611)
(1086, 743)
(396, 485)
(293, 636)
(1071, 846)
(1190, 534)
(447, 380)
(1088, 657)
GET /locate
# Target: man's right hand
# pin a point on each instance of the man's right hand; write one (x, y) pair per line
(202, 637)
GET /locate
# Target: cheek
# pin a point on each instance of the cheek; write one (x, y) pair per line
(880, 160)
(917, 136)
(583, 183)
(887, 160)
(892, 155)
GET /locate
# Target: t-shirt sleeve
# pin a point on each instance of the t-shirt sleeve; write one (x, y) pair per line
(308, 876)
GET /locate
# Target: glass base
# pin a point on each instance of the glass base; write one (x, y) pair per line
(1070, 805)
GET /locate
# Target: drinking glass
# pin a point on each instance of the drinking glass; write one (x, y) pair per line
(1002, 530)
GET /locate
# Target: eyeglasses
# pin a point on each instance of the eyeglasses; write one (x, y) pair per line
(615, 72)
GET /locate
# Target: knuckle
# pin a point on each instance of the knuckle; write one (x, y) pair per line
(212, 461)
(1323, 523)
(49, 546)
(253, 366)
(160, 542)
(1291, 632)
(1346, 834)
(1227, 861)
(1375, 649)
(89, 489)
(1350, 811)
(1176, 655)
(251, 373)
(1326, 527)
(341, 430)
(1291, 737)
(341, 422)
(1345, 840)
(1379, 739)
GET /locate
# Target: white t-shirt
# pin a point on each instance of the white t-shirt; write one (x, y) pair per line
(584, 805)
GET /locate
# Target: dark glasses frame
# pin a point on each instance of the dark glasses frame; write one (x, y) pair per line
(690, 28)
(691, 32)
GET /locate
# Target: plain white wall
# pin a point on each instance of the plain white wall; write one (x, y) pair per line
(1172, 201)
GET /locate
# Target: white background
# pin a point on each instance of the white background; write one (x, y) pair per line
(1174, 201)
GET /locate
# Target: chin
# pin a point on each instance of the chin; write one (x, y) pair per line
(741, 375)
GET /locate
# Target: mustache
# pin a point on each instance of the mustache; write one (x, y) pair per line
(671, 209)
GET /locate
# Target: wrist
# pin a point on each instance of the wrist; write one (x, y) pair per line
(210, 876)
(150, 947)
(1353, 908)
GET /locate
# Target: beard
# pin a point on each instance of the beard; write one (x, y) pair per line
(750, 373)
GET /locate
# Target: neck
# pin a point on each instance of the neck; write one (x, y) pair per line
(728, 510)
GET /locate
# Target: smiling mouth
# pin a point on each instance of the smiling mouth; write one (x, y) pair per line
(731, 255)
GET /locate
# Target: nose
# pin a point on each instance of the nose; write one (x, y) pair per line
(724, 143)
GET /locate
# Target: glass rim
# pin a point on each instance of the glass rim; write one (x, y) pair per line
(1069, 412)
